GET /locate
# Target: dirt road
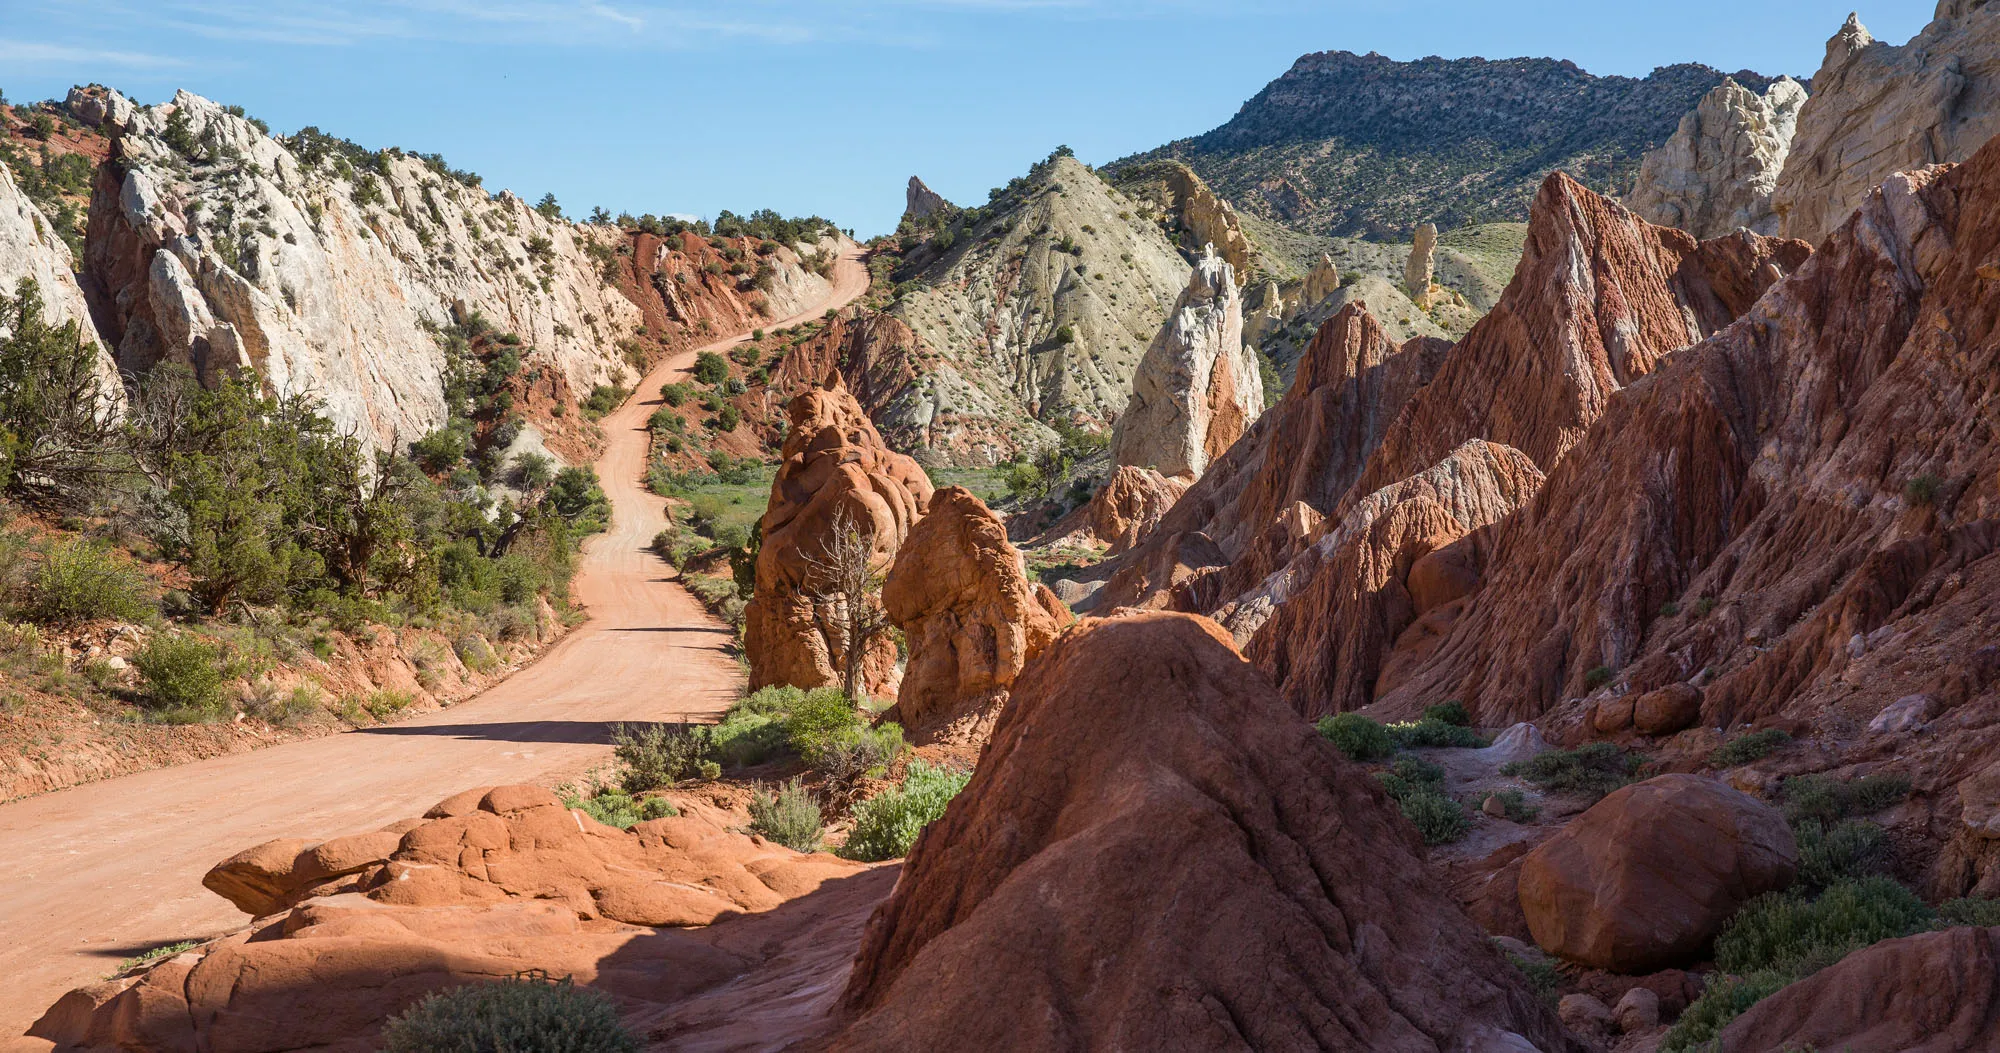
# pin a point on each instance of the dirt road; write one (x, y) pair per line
(91, 875)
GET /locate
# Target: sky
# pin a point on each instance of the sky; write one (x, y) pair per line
(822, 106)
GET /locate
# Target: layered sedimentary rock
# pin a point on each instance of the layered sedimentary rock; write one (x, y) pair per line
(1791, 517)
(1131, 503)
(835, 474)
(1146, 799)
(1718, 171)
(1197, 390)
(490, 884)
(1324, 625)
(1209, 219)
(1321, 282)
(1600, 297)
(969, 615)
(1421, 267)
(1931, 993)
(1878, 109)
(1302, 455)
(30, 248)
(1647, 877)
(920, 200)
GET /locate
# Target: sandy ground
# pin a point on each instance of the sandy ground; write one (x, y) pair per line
(94, 874)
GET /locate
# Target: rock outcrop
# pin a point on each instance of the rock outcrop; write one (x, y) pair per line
(1146, 799)
(920, 200)
(1646, 877)
(1131, 503)
(1421, 267)
(1718, 171)
(214, 244)
(491, 883)
(1936, 992)
(1209, 219)
(30, 248)
(971, 618)
(835, 472)
(1197, 390)
(1878, 109)
(1321, 282)
(1325, 624)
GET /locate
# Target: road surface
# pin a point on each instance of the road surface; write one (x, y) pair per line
(94, 874)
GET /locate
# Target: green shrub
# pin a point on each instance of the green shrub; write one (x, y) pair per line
(1824, 799)
(1725, 999)
(1747, 747)
(1787, 932)
(1845, 851)
(1596, 768)
(1429, 732)
(1515, 804)
(80, 582)
(1984, 913)
(1452, 712)
(657, 755)
(710, 368)
(752, 738)
(1357, 736)
(728, 418)
(1542, 975)
(1598, 677)
(675, 394)
(886, 825)
(790, 817)
(1417, 786)
(622, 810)
(181, 673)
(1922, 490)
(527, 1014)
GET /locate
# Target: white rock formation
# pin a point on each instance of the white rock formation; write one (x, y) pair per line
(1878, 109)
(1421, 267)
(920, 200)
(1718, 171)
(1321, 282)
(326, 273)
(31, 248)
(1197, 389)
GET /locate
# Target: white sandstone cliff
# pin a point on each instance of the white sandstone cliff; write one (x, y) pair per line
(1718, 171)
(1197, 389)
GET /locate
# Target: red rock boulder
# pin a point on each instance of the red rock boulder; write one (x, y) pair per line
(1130, 503)
(1155, 853)
(1645, 878)
(1936, 992)
(835, 471)
(969, 615)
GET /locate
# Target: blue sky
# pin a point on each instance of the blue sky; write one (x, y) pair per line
(823, 106)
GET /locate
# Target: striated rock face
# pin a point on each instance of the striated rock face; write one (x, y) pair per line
(1209, 219)
(1197, 389)
(1131, 503)
(1256, 505)
(1422, 265)
(31, 248)
(834, 467)
(1931, 993)
(1878, 109)
(1147, 799)
(1645, 878)
(213, 244)
(1720, 168)
(489, 884)
(1323, 626)
(1600, 297)
(1809, 489)
(920, 200)
(971, 618)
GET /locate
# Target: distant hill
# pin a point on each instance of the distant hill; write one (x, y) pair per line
(1364, 146)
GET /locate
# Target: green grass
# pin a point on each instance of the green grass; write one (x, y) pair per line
(622, 810)
(1748, 747)
(1596, 769)
(146, 958)
(735, 506)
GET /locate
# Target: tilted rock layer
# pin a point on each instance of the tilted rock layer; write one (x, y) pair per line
(1720, 168)
(1148, 803)
(835, 470)
(969, 614)
(1197, 389)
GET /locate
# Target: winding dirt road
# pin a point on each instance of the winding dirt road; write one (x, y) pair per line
(97, 873)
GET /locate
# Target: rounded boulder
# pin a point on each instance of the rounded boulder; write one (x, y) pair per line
(1646, 877)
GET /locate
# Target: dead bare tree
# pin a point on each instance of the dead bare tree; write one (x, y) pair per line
(846, 578)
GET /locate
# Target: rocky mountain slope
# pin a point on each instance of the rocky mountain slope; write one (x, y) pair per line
(1031, 311)
(1364, 145)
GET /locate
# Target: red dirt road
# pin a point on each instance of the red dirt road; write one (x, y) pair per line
(94, 874)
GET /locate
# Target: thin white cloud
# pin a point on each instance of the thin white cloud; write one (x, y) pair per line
(38, 53)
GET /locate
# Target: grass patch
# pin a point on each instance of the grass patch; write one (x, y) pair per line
(1825, 799)
(1515, 804)
(1541, 973)
(1595, 768)
(146, 958)
(183, 676)
(528, 1012)
(1747, 747)
(886, 825)
(622, 810)
(1968, 910)
(1357, 736)
(788, 816)
(1417, 787)
(1433, 733)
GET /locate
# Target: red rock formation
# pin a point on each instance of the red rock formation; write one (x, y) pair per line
(1600, 296)
(1937, 992)
(1307, 449)
(1792, 516)
(1156, 854)
(492, 883)
(1130, 504)
(969, 615)
(835, 467)
(1324, 626)
(1646, 877)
